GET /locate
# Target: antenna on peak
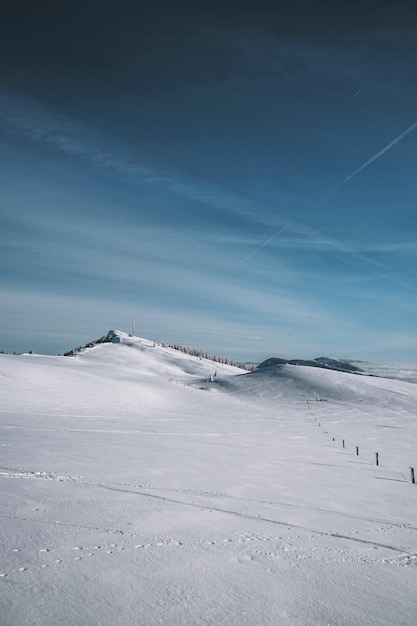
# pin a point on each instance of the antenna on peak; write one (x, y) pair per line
(133, 329)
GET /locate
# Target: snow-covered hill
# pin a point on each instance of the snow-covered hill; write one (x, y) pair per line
(141, 485)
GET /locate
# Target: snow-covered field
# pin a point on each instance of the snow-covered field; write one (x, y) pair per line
(136, 491)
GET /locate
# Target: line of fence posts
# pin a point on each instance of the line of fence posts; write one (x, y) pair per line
(412, 471)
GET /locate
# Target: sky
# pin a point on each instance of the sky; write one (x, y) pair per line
(233, 176)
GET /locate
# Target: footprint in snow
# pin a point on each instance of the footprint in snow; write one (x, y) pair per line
(98, 547)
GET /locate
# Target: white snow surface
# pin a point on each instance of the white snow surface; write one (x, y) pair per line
(134, 491)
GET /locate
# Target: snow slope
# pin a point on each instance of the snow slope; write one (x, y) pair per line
(136, 491)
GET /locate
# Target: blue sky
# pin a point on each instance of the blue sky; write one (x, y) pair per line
(195, 170)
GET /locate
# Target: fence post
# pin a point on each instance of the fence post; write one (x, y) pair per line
(377, 458)
(343, 443)
(357, 450)
(413, 478)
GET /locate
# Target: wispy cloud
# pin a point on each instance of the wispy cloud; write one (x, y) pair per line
(41, 125)
(282, 334)
(218, 290)
(44, 127)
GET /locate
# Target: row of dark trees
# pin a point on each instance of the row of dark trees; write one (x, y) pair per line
(203, 355)
(90, 344)
(14, 352)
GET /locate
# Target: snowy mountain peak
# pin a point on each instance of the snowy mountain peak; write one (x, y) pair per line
(121, 351)
(114, 336)
(119, 336)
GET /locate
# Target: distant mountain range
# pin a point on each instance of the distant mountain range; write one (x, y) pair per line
(400, 371)
(324, 362)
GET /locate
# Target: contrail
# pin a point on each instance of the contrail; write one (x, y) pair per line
(381, 152)
(326, 195)
(360, 88)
